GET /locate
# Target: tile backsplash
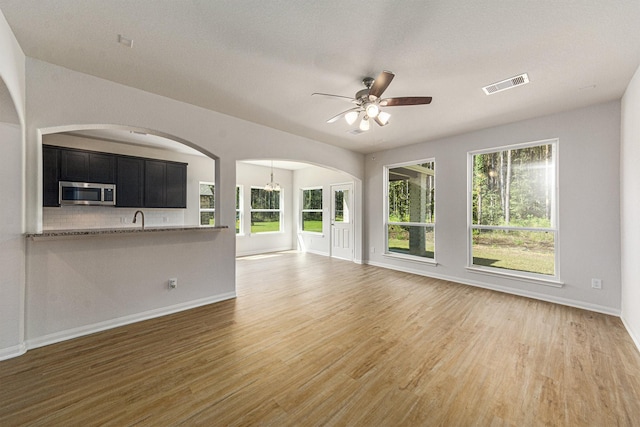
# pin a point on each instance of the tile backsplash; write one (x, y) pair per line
(87, 217)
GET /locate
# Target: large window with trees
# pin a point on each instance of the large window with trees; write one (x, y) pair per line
(312, 210)
(512, 208)
(266, 213)
(410, 209)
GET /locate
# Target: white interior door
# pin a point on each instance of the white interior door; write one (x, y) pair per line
(342, 221)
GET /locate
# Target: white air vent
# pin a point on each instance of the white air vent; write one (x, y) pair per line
(506, 84)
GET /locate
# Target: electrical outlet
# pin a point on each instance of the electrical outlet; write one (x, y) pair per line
(173, 283)
(373, 250)
(596, 283)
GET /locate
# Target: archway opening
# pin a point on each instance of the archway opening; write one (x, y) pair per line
(127, 147)
(298, 215)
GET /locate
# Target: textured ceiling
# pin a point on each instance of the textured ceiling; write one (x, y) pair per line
(261, 60)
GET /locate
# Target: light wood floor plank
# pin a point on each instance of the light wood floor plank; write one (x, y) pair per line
(316, 341)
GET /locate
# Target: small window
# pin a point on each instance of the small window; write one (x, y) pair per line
(410, 206)
(312, 210)
(266, 213)
(207, 204)
(512, 210)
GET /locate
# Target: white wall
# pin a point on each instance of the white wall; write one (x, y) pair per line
(200, 168)
(248, 175)
(310, 177)
(630, 207)
(589, 223)
(12, 251)
(85, 284)
(61, 100)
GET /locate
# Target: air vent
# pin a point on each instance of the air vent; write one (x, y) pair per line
(506, 84)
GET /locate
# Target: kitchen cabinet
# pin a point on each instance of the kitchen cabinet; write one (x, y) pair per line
(50, 175)
(140, 182)
(165, 184)
(129, 182)
(87, 166)
(176, 189)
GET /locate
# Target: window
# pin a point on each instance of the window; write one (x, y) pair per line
(513, 209)
(312, 210)
(207, 204)
(239, 228)
(265, 210)
(410, 207)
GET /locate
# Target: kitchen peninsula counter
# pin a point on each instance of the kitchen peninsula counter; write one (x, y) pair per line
(72, 233)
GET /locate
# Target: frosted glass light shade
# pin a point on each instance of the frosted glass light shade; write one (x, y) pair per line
(372, 110)
(364, 124)
(383, 118)
(351, 117)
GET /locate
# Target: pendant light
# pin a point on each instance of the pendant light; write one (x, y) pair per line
(272, 186)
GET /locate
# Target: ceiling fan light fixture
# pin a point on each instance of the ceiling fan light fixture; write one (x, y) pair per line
(351, 117)
(372, 110)
(364, 124)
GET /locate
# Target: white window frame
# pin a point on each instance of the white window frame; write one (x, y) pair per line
(543, 279)
(302, 210)
(280, 211)
(240, 210)
(200, 209)
(387, 223)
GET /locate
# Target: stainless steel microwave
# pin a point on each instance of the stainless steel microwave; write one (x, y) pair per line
(85, 193)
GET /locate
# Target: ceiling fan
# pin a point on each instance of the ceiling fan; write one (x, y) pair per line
(369, 102)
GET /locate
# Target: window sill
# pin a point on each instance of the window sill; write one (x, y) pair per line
(536, 280)
(411, 258)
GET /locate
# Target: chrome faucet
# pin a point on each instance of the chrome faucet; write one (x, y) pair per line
(136, 214)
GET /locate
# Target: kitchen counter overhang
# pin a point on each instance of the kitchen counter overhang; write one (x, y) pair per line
(66, 234)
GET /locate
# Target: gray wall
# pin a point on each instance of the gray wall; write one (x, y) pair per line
(589, 215)
(12, 251)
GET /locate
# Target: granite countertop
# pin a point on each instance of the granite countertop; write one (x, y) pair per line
(112, 231)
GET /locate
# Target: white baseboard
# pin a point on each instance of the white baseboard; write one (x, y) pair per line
(13, 351)
(263, 251)
(635, 337)
(121, 321)
(312, 251)
(542, 297)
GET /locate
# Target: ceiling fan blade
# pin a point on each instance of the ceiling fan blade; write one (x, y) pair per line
(380, 84)
(338, 116)
(332, 96)
(406, 100)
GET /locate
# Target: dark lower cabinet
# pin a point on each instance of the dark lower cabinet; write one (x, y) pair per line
(129, 182)
(165, 184)
(50, 175)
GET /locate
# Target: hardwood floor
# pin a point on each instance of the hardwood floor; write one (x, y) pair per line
(316, 341)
